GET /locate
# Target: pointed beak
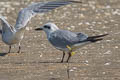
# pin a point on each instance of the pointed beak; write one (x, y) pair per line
(39, 29)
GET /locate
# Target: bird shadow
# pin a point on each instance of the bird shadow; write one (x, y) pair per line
(40, 62)
(54, 62)
(3, 54)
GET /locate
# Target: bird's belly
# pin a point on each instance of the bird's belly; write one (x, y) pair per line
(10, 39)
(79, 45)
(60, 46)
(61, 49)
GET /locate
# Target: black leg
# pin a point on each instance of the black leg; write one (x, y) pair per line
(9, 49)
(19, 49)
(69, 56)
(63, 57)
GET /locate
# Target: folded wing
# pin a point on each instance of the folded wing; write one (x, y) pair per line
(81, 36)
(62, 38)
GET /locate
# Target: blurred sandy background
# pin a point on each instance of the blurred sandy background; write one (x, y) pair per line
(39, 59)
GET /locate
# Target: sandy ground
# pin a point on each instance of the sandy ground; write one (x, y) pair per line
(39, 60)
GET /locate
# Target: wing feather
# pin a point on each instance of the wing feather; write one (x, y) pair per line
(81, 36)
(62, 38)
(41, 7)
(5, 25)
(4, 22)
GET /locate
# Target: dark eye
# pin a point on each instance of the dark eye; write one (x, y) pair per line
(48, 27)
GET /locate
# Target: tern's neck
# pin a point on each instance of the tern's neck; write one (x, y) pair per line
(50, 32)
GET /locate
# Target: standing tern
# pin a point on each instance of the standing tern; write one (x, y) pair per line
(67, 41)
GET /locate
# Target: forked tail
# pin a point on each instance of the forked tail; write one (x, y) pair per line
(96, 38)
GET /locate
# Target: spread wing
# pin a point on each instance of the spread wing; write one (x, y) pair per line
(4, 22)
(5, 25)
(27, 13)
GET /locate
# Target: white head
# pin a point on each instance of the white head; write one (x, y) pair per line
(48, 28)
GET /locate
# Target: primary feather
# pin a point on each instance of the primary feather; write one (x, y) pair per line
(41, 7)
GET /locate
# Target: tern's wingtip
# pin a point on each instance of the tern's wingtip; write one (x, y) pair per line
(75, 1)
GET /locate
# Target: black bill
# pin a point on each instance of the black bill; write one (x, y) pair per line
(38, 29)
